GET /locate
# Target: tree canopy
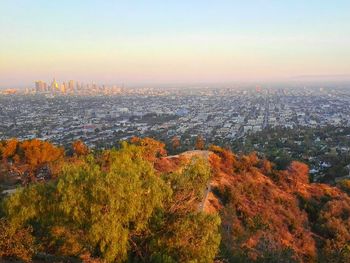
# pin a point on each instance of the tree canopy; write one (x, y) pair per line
(116, 206)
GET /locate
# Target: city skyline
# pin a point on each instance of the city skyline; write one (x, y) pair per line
(152, 42)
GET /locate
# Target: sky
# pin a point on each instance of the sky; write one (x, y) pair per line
(183, 41)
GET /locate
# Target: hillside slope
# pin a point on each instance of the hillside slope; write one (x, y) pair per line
(195, 206)
(274, 216)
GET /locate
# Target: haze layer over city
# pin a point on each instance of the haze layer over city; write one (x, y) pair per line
(177, 42)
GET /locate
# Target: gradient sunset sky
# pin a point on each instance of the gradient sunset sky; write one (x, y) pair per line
(184, 41)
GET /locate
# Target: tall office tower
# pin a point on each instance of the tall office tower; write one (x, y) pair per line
(39, 86)
(45, 86)
(64, 88)
(77, 86)
(71, 86)
(54, 85)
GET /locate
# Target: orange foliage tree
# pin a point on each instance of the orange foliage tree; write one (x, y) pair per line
(151, 148)
(38, 153)
(80, 148)
(175, 142)
(16, 243)
(227, 159)
(9, 149)
(28, 157)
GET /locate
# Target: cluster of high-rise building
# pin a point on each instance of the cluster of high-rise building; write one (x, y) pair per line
(55, 87)
(71, 87)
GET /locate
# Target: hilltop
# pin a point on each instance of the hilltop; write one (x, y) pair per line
(138, 204)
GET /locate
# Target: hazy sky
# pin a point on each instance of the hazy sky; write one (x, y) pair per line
(173, 41)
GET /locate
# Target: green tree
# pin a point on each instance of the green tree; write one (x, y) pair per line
(192, 237)
(182, 233)
(175, 142)
(92, 208)
(200, 143)
(115, 207)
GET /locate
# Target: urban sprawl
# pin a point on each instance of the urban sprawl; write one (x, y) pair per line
(103, 114)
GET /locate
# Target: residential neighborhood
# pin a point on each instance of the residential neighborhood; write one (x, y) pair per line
(104, 115)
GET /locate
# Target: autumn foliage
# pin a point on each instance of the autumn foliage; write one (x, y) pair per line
(137, 204)
(29, 158)
(278, 216)
(17, 243)
(151, 148)
(80, 148)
